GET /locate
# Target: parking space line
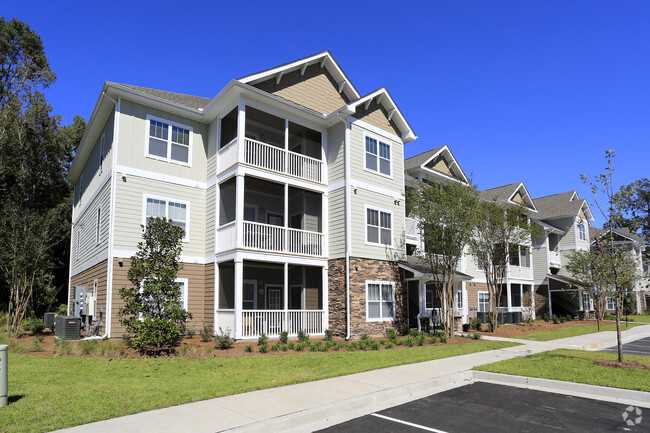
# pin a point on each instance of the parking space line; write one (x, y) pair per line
(421, 427)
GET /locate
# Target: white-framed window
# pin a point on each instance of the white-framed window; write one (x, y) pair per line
(95, 285)
(587, 303)
(378, 156)
(101, 153)
(582, 231)
(459, 299)
(183, 286)
(519, 255)
(483, 302)
(379, 227)
(610, 303)
(98, 225)
(176, 210)
(380, 301)
(168, 141)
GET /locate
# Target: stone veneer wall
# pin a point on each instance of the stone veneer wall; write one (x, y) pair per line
(541, 300)
(362, 270)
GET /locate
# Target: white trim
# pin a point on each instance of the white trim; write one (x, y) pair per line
(381, 301)
(167, 200)
(379, 227)
(375, 130)
(122, 169)
(88, 264)
(125, 254)
(336, 185)
(185, 292)
(111, 227)
(374, 188)
(170, 124)
(366, 135)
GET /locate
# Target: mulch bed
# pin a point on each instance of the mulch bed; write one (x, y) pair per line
(522, 329)
(634, 365)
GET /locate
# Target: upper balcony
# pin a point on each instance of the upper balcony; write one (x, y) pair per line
(271, 143)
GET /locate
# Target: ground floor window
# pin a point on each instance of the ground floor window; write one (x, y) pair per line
(432, 296)
(380, 300)
(459, 299)
(610, 303)
(515, 295)
(587, 305)
(483, 302)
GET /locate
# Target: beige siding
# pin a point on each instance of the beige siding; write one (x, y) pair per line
(133, 140)
(336, 229)
(210, 220)
(97, 168)
(211, 154)
(358, 161)
(130, 209)
(360, 248)
(86, 278)
(86, 230)
(376, 115)
(208, 295)
(336, 153)
(316, 89)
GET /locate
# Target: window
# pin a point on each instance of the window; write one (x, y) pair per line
(432, 295)
(378, 156)
(459, 299)
(380, 301)
(610, 303)
(174, 210)
(182, 285)
(587, 304)
(168, 141)
(519, 256)
(379, 227)
(97, 227)
(582, 231)
(483, 302)
(515, 295)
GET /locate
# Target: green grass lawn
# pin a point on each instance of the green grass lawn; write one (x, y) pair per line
(574, 366)
(48, 393)
(573, 331)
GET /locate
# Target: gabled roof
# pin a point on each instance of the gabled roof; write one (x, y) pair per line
(190, 101)
(564, 204)
(623, 232)
(324, 58)
(414, 264)
(509, 194)
(421, 161)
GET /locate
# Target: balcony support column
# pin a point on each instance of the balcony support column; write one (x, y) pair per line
(239, 210)
(286, 297)
(286, 146)
(239, 288)
(241, 131)
(286, 217)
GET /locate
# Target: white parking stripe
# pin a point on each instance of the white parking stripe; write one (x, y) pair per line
(421, 427)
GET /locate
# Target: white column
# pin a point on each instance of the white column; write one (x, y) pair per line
(239, 210)
(286, 145)
(286, 217)
(241, 131)
(325, 289)
(324, 157)
(324, 215)
(239, 286)
(423, 299)
(215, 307)
(286, 297)
(509, 288)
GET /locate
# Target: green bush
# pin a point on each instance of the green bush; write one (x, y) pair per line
(555, 319)
(275, 347)
(248, 348)
(389, 345)
(443, 338)
(433, 339)
(546, 317)
(262, 339)
(303, 336)
(316, 346)
(291, 345)
(302, 346)
(328, 335)
(206, 333)
(476, 336)
(190, 332)
(262, 348)
(421, 339)
(392, 335)
(284, 337)
(34, 325)
(62, 310)
(414, 332)
(476, 324)
(223, 340)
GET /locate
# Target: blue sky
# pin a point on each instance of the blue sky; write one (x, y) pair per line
(519, 90)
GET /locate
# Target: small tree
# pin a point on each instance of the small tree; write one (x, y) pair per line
(587, 267)
(152, 312)
(446, 214)
(497, 230)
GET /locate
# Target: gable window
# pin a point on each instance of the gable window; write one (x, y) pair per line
(582, 231)
(380, 301)
(176, 211)
(97, 226)
(168, 141)
(378, 156)
(379, 227)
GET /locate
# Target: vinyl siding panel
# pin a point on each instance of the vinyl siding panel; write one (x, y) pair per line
(336, 153)
(336, 229)
(382, 202)
(208, 295)
(133, 139)
(540, 263)
(471, 268)
(89, 250)
(358, 161)
(129, 212)
(86, 278)
(210, 220)
(211, 155)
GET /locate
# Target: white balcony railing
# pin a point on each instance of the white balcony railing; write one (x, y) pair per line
(226, 235)
(554, 258)
(268, 237)
(520, 272)
(263, 236)
(273, 322)
(411, 228)
(272, 158)
(305, 242)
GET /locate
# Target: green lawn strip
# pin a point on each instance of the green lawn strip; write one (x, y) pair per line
(573, 331)
(48, 393)
(574, 366)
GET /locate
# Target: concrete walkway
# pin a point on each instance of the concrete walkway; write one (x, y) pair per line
(317, 404)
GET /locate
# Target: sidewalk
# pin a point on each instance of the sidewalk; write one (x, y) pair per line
(295, 406)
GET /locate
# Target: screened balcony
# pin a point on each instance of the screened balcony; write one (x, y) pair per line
(272, 143)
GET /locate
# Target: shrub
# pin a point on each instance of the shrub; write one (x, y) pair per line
(420, 339)
(389, 345)
(562, 319)
(433, 339)
(404, 330)
(190, 332)
(291, 345)
(364, 337)
(556, 320)
(392, 335)
(302, 346)
(414, 332)
(206, 333)
(275, 347)
(32, 346)
(374, 344)
(248, 348)
(476, 336)
(34, 325)
(409, 341)
(284, 337)
(88, 347)
(443, 338)
(476, 324)
(223, 340)
(303, 336)
(262, 348)
(545, 317)
(262, 339)
(62, 310)
(283, 347)
(316, 346)
(328, 335)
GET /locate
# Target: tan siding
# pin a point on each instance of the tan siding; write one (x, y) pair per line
(376, 115)
(86, 278)
(195, 275)
(129, 211)
(518, 198)
(336, 229)
(86, 228)
(208, 296)
(358, 162)
(472, 293)
(133, 138)
(316, 89)
(336, 153)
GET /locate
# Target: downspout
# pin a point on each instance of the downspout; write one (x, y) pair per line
(348, 220)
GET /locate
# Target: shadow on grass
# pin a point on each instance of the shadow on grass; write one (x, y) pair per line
(15, 398)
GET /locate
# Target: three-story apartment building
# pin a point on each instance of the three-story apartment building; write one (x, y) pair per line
(288, 184)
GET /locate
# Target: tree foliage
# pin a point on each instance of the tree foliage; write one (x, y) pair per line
(447, 216)
(635, 206)
(152, 312)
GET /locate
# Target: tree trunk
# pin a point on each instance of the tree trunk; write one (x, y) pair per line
(618, 333)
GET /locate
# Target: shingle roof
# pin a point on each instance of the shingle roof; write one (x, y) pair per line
(418, 160)
(190, 101)
(624, 231)
(557, 205)
(500, 193)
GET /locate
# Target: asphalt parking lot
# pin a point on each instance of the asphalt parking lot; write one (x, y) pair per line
(638, 347)
(489, 407)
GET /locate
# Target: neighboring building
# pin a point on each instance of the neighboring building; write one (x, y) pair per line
(289, 185)
(564, 219)
(636, 246)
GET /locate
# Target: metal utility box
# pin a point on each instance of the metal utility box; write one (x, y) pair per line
(80, 295)
(48, 320)
(68, 327)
